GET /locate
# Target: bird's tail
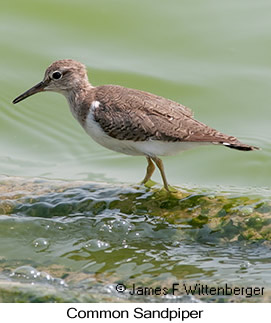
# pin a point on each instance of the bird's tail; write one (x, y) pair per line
(239, 146)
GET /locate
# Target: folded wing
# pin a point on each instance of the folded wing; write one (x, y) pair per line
(128, 114)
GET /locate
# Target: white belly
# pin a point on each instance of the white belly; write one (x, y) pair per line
(135, 148)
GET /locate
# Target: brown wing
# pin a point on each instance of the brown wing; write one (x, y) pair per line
(128, 114)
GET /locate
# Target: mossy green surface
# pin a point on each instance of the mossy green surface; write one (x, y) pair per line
(87, 237)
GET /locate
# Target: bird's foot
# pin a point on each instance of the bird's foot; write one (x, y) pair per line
(148, 184)
(171, 189)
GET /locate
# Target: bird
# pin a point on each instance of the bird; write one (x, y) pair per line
(130, 121)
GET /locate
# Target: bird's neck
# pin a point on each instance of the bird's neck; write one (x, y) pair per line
(76, 98)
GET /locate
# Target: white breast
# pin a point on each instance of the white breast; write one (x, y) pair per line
(129, 147)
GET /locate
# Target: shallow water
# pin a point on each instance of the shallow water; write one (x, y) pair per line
(80, 240)
(89, 235)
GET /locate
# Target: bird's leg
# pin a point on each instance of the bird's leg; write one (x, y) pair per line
(150, 170)
(160, 165)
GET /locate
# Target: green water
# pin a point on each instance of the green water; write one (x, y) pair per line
(213, 56)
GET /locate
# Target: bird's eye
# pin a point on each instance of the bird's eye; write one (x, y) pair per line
(56, 75)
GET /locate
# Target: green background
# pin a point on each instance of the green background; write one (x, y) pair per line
(88, 227)
(213, 56)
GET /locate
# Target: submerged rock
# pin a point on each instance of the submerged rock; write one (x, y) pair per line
(91, 236)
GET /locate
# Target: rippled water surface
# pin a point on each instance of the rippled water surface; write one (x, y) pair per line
(63, 241)
(73, 221)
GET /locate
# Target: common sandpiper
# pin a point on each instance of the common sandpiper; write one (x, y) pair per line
(129, 121)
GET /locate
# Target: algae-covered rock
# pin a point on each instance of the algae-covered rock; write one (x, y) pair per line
(225, 215)
(92, 236)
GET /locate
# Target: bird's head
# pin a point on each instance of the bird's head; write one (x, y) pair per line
(61, 76)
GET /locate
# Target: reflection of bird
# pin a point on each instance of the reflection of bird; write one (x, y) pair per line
(129, 121)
